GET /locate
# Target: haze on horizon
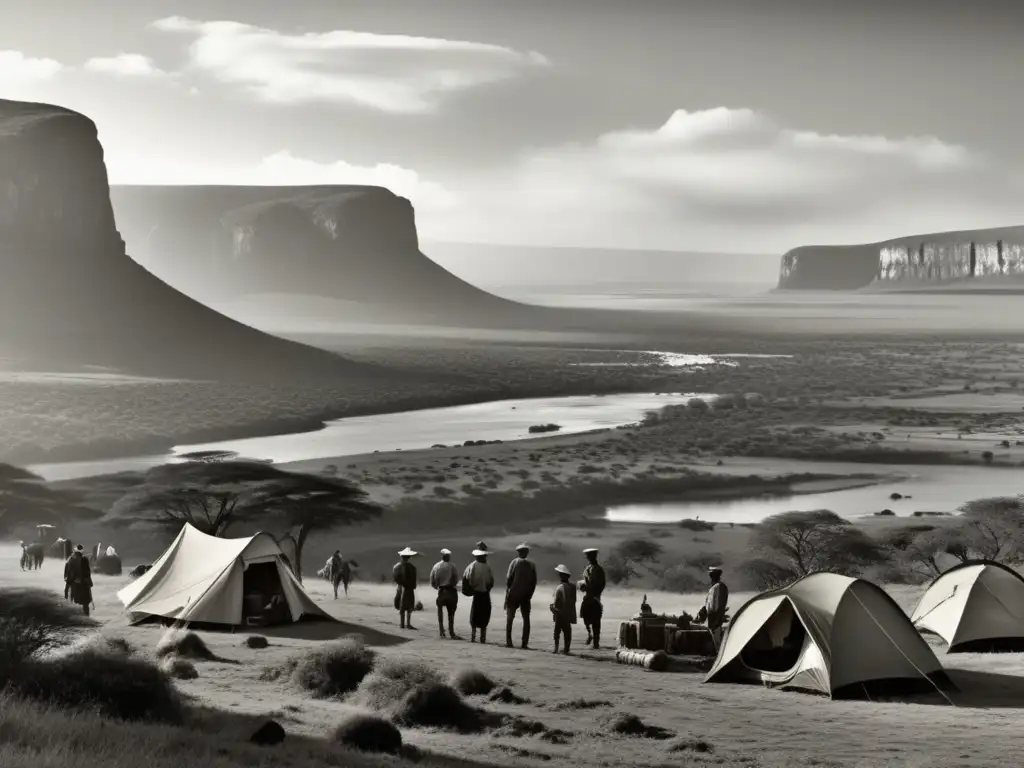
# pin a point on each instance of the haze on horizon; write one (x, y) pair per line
(715, 126)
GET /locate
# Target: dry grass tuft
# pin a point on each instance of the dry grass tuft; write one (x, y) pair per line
(184, 644)
(392, 681)
(178, 668)
(691, 745)
(435, 705)
(577, 704)
(631, 725)
(333, 670)
(472, 682)
(507, 696)
(369, 733)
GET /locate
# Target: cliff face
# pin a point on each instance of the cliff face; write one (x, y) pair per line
(356, 244)
(969, 260)
(69, 292)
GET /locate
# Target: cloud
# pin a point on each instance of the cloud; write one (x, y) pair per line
(391, 73)
(126, 64)
(282, 169)
(734, 178)
(18, 71)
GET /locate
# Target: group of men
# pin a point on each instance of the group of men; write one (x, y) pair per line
(477, 581)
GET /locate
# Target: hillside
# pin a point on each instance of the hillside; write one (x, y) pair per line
(965, 260)
(70, 294)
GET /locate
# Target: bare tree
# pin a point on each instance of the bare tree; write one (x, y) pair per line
(819, 540)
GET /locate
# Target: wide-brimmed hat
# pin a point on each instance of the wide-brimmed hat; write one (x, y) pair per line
(521, 547)
(588, 550)
(446, 551)
(562, 569)
(408, 552)
(481, 549)
(714, 569)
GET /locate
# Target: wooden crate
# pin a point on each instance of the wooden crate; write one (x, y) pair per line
(693, 642)
(628, 634)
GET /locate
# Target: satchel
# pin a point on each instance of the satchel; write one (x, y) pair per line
(398, 598)
(467, 588)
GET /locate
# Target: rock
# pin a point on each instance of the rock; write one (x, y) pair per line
(270, 734)
(969, 259)
(354, 243)
(139, 570)
(256, 641)
(70, 291)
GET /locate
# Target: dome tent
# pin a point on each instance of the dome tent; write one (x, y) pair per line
(974, 606)
(829, 634)
(202, 579)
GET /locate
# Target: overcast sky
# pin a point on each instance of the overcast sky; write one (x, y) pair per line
(724, 125)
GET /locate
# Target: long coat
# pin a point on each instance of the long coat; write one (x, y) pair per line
(78, 576)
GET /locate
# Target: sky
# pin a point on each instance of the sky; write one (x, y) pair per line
(708, 125)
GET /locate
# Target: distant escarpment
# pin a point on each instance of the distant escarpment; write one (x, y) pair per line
(968, 260)
(356, 244)
(69, 293)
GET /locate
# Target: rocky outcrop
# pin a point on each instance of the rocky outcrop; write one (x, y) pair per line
(353, 243)
(70, 293)
(968, 260)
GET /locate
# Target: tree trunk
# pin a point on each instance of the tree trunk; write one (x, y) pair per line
(300, 542)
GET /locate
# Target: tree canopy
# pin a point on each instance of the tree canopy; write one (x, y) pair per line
(214, 496)
(790, 545)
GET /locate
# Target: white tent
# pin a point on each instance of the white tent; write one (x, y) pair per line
(289, 548)
(973, 606)
(825, 633)
(205, 579)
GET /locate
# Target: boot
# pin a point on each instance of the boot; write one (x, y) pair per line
(597, 637)
(508, 631)
(483, 637)
(472, 639)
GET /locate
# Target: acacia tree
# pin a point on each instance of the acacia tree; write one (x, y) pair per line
(922, 550)
(26, 499)
(994, 528)
(625, 559)
(213, 496)
(807, 542)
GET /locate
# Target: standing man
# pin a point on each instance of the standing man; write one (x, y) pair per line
(563, 609)
(334, 568)
(520, 584)
(78, 577)
(478, 581)
(715, 605)
(404, 574)
(445, 579)
(591, 609)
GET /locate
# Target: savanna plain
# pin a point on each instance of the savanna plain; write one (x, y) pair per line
(816, 416)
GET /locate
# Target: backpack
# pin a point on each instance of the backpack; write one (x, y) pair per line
(467, 588)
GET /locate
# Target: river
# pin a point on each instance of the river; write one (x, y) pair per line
(924, 488)
(504, 420)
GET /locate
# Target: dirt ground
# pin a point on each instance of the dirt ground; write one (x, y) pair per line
(745, 725)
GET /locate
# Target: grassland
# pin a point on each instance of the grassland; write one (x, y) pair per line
(721, 725)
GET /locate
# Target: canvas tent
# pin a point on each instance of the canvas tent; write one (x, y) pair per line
(289, 549)
(203, 579)
(828, 634)
(974, 606)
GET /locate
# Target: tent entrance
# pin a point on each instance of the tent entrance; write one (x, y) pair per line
(263, 599)
(778, 644)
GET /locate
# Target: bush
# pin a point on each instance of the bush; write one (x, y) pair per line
(33, 621)
(392, 681)
(682, 579)
(185, 644)
(113, 685)
(689, 524)
(369, 733)
(178, 668)
(333, 670)
(472, 682)
(98, 642)
(436, 705)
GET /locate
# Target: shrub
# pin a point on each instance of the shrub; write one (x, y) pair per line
(472, 682)
(98, 642)
(333, 670)
(392, 681)
(435, 705)
(689, 524)
(369, 733)
(113, 685)
(185, 644)
(33, 621)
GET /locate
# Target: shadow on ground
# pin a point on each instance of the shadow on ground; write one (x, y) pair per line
(332, 630)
